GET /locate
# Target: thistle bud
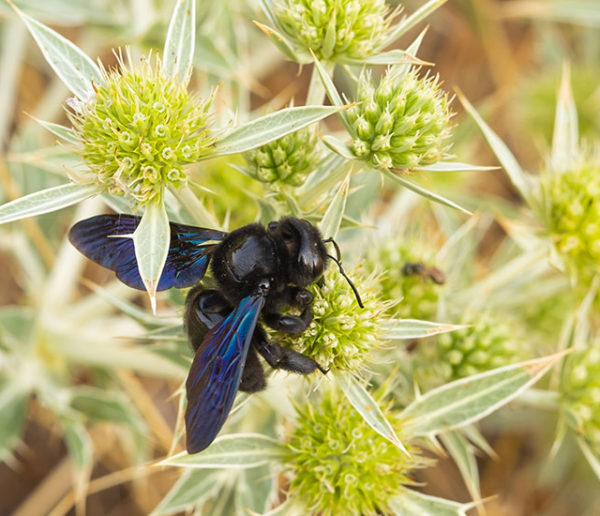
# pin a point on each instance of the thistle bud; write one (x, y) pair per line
(339, 464)
(411, 295)
(334, 29)
(403, 123)
(572, 214)
(488, 343)
(140, 129)
(287, 160)
(341, 334)
(580, 393)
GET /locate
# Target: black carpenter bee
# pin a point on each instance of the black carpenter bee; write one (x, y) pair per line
(259, 270)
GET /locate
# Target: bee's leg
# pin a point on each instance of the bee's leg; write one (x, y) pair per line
(283, 358)
(253, 376)
(288, 296)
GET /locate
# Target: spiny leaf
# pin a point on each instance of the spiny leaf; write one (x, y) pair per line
(178, 53)
(46, 201)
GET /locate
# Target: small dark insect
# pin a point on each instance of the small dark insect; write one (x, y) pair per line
(259, 271)
(420, 269)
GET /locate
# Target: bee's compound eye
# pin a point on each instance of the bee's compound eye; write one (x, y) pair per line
(272, 226)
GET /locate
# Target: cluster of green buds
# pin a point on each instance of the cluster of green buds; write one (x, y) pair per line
(403, 122)
(140, 129)
(341, 334)
(287, 160)
(487, 343)
(339, 464)
(580, 393)
(572, 214)
(413, 295)
(334, 29)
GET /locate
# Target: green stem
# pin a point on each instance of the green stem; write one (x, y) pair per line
(195, 208)
(316, 88)
(539, 398)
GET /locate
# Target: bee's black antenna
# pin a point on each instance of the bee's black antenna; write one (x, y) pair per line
(338, 261)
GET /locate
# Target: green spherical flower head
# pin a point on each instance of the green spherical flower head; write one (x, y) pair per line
(339, 464)
(487, 344)
(140, 130)
(334, 29)
(580, 393)
(413, 294)
(404, 122)
(341, 334)
(572, 213)
(287, 160)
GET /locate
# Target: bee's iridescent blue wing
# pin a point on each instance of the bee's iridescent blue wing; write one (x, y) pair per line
(216, 372)
(102, 239)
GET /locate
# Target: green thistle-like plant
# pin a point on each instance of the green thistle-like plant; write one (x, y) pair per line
(412, 296)
(140, 130)
(488, 343)
(287, 160)
(403, 122)
(341, 334)
(580, 393)
(334, 29)
(572, 214)
(339, 464)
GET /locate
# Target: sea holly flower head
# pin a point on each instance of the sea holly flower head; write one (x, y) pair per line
(339, 464)
(487, 343)
(572, 213)
(580, 393)
(140, 129)
(414, 296)
(341, 334)
(334, 29)
(287, 160)
(402, 122)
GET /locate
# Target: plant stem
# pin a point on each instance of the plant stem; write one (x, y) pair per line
(316, 89)
(539, 398)
(195, 208)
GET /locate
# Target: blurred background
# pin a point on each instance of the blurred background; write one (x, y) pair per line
(505, 56)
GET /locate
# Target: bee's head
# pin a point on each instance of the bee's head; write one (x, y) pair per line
(306, 250)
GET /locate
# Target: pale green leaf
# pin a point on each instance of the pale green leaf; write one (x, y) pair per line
(338, 146)
(178, 53)
(565, 141)
(330, 223)
(151, 240)
(451, 166)
(397, 329)
(45, 201)
(333, 94)
(255, 490)
(61, 131)
(79, 443)
(470, 399)
(142, 316)
(424, 192)
(463, 455)
(193, 488)
(232, 451)
(520, 180)
(76, 70)
(592, 457)
(392, 57)
(281, 43)
(368, 408)
(408, 22)
(412, 503)
(270, 127)
(13, 407)
(102, 405)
